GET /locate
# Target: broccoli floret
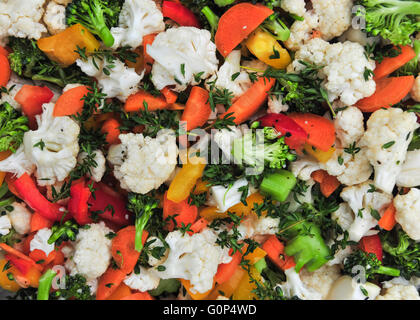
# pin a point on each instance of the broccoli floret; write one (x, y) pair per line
(166, 286)
(370, 264)
(392, 19)
(276, 27)
(262, 147)
(63, 232)
(143, 206)
(29, 61)
(76, 288)
(98, 16)
(412, 67)
(402, 252)
(13, 126)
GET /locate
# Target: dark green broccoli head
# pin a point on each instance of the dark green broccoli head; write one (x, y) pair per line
(13, 126)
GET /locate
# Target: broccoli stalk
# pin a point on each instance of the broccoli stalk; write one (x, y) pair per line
(12, 128)
(143, 206)
(392, 19)
(223, 3)
(212, 18)
(98, 16)
(276, 27)
(45, 283)
(372, 266)
(262, 147)
(65, 232)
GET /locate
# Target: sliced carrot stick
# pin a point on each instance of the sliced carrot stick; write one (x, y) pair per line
(38, 222)
(170, 96)
(148, 60)
(329, 185)
(70, 102)
(390, 64)
(15, 252)
(250, 101)
(139, 296)
(275, 251)
(123, 249)
(136, 102)
(5, 70)
(182, 212)
(237, 23)
(321, 131)
(226, 270)
(198, 226)
(197, 109)
(387, 221)
(389, 91)
(109, 283)
(319, 175)
(121, 292)
(111, 128)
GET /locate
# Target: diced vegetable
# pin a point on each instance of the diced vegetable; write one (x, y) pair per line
(278, 185)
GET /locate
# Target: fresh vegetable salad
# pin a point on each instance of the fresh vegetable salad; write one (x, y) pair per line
(210, 149)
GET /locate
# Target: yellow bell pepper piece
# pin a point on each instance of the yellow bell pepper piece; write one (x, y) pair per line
(201, 187)
(3, 155)
(267, 49)
(228, 288)
(321, 156)
(5, 282)
(196, 295)
(212, 213)
(185, 180)
(255, 255)
(246, 286)
(62, 46)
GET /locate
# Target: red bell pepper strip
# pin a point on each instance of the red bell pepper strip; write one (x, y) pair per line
(29, 193)
(109, 205)
(78, 203)
(295, 135)
(31, 98)
(372, 244)
(22, 265)
(180, 14)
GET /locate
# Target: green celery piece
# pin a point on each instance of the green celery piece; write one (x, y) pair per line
(278, 185)
(45, 283)
(260, 265)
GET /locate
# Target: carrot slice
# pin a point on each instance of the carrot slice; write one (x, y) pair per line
(111, 128)
(275, 251)
(70, 102)
(197, 109)
(387, 221)
(237, 23)
(148, 60)
(329, 185)
(121, 292)
(139, 296)
(38, 222)
(390, 64)
(198, 226)
(389, 91)
(321, 131)
(170, 96)
(109, 283)
(182, 213)
(319, 175)
(15, 252)
(136, 102)
(123, 248)
(5, 70)
(226, 270)
(250, 101)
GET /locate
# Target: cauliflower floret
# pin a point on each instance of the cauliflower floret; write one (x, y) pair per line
(408, 212)
(17, 163)
(321, 279)
(21, 18)
(5, 225)
(194, 258)
(362, 200)
(343, 71)
(53, 147)
(144, 281)
(20, 218)
(415, 91)
(330, 17)
(349, 169)
(388, 134)
(275, 105)
(346, 288)
(40, 241)
(138, 18)
(295, 287)
(55, 17)
(410, 172)
(304, 167)
(97, 172)
(400, 292)
(179, 54)
(223, 77)
(227, 196)
(142, 164)
(225, 137)
(121, 81)
(92, 253)
(252, 226)
(349, 126)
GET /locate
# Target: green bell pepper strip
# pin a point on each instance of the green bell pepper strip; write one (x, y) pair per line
(45, 283)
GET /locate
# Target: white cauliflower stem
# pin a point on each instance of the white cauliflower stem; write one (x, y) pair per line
(179, 54)
(53, 147)
(142, 164)
(17, 163)
(388, 135)
(138, 18)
